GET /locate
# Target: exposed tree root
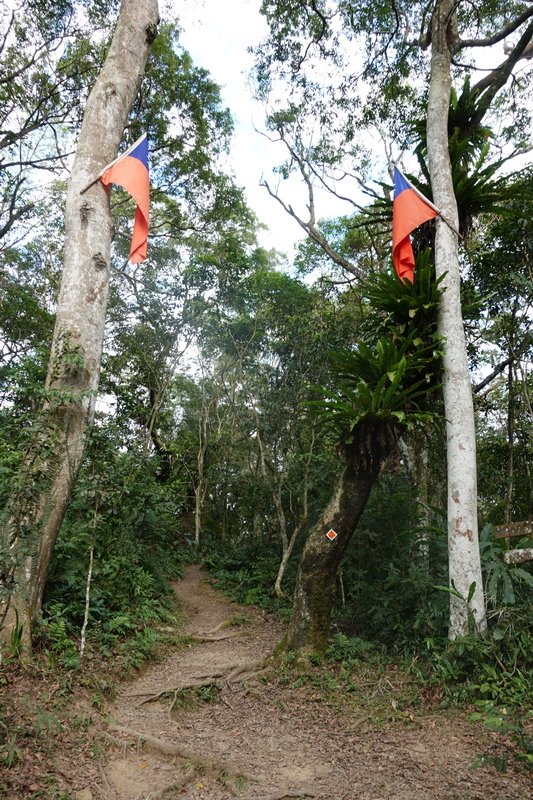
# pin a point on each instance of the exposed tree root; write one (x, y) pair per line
(282, 795)
(156, 745)
(243, 672)
(253, 692)
(250, 670)
(162, 747)
(177, 783)
(193, 684)
(225, 624)
(201, 639)
(195, 763)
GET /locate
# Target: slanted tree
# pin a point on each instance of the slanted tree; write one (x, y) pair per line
(37, 506)
(377, 391)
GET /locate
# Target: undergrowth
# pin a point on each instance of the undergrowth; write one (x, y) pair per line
(246, 574)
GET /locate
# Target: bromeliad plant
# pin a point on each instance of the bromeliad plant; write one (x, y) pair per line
(395, 378)
(388, 382)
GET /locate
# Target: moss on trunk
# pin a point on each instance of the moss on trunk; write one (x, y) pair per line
(373, 441)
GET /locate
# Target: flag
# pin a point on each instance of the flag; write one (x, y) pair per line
(130, 170)
(409, 210)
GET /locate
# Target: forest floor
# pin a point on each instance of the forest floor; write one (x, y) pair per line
(209, 723)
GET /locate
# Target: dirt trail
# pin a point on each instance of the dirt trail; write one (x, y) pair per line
(264, 740)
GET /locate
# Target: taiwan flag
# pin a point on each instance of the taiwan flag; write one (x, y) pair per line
(130, 171)
(409, 210)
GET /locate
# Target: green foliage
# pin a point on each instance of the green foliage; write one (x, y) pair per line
(503, 582)
(398, 308)
(246, 571)
(479, 186)
(510, 721)
(348, 650)
(15, 640)
(495, 669)
(390, 569)
(130, 523)
(384, 382)
(393, 377)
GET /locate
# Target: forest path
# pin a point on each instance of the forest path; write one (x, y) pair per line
(268, 740)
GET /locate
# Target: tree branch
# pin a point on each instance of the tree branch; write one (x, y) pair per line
(478, 387)
(497, 37)
(314, 234)
(491, 84)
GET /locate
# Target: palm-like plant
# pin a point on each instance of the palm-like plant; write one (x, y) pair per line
(389, 382)
(477, 186)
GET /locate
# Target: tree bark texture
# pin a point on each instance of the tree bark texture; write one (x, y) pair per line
(288, 546)
(463, 546)
(514, 557)
(315, 585)
(37, 511)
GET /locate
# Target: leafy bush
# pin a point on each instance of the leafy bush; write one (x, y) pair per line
(349, 650)
(129, 522)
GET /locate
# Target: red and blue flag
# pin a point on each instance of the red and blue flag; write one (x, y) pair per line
(409, 210)
(130, 171)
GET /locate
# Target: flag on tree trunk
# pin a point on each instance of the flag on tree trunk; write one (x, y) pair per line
(130, 171)
(409, 210)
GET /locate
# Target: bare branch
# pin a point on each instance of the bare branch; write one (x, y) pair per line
(503, 365)
(502, 34)
(314, 234)
(490, 85)
(8, 31)
(332, 191)
(13, 215)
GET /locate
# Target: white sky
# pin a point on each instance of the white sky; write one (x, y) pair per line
(218, 33)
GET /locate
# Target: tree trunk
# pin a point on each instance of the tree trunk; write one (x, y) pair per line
(200, 490)
(464, 559)
(35, 511)
(510, 419)
(416, 450)
(287, 551)
(315, 585)
(288, 547)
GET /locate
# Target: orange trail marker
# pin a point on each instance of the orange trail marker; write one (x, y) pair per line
(331, 535)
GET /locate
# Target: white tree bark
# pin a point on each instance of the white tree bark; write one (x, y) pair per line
(74, 367)
(463, 546)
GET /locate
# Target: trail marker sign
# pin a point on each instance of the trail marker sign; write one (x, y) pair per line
(331, 535)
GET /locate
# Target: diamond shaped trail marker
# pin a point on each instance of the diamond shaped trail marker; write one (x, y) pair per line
(331, 535)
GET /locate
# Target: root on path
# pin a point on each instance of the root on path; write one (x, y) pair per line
(249, 671)
(282, 795)
(171, 750)
(197, 763)
(243, 672)
(198, 637)
(176, 783)
(192, 684)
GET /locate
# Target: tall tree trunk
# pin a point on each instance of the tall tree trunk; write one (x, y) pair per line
(508, 514)
(35, 511)
(416, 450)
(289, 547)
(315, 585)
(200, 489)
(463, 547)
